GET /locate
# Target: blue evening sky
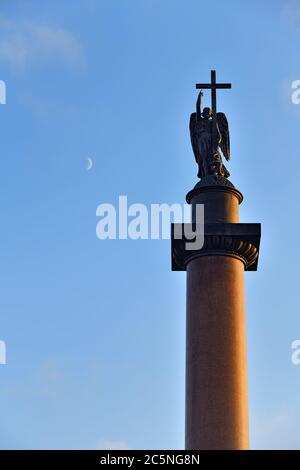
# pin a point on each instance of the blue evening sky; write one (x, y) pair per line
(95, 330)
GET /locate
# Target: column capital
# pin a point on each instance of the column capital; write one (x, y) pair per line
(236, 240)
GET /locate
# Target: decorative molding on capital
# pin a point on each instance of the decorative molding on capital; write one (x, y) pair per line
(239, 241)
(214, 180)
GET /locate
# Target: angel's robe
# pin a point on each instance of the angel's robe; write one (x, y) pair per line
(201, 139)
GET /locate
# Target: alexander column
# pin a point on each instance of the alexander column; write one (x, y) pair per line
(216, 362)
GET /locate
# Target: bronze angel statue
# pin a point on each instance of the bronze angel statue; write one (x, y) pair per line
(207, 154)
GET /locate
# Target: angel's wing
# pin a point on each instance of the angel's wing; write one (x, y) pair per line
(193, 123)
(224, 131)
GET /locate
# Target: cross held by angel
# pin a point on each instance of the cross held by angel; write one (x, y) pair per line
(209, 133)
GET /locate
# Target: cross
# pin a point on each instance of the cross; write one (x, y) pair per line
(213, 87)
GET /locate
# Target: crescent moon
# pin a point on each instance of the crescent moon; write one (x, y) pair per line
(90, 163)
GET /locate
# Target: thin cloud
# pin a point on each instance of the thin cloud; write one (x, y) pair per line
(291, 12)
(275, 431)
(24, 42)
(104, 444)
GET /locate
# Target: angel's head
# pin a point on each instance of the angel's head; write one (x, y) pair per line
(207, 113)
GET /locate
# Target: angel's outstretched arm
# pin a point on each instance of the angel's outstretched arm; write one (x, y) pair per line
(198, 105)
